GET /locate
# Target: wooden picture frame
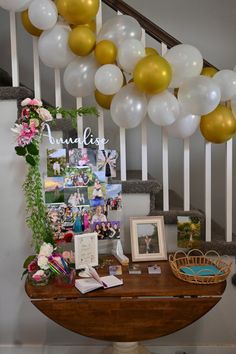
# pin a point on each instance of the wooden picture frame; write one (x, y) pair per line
(86, 250)
(148, 241)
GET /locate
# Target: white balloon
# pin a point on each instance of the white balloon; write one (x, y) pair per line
(108, 79)
(186, 61)
(130, 52)
(163, 109)
(183, 127)
(226, 79)
(79, 76)
(233, 105)
(234, 69)
(53, 47)
(15, 5)
(119, 28)
(43, 14)
(128, 107)
(199, 95)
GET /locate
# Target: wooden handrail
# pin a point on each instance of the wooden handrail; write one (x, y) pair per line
(150, 27)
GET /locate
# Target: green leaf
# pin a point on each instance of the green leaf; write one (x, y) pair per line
(20, 150)
(28, 260)
(25, 272)
(32, 149)
(30, 160)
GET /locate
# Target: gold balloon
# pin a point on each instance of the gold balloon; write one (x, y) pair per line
(105, 52)
(91, 25)
(209, 71)
(103, 100)
(81, 40)
(28, 25)
(78, 12)
(151, 51)
(219, 125)
(152, 74)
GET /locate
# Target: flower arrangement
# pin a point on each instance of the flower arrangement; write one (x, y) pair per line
(28, 129)
(47, 264)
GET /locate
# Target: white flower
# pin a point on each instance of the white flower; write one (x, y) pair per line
(44, 114)
(46, 249)
(25, 102)
(43, 262)
(17, 129)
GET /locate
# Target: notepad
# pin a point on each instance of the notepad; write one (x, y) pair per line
(95, 282)
(204, 270)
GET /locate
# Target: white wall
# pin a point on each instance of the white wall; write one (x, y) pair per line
(21, 324)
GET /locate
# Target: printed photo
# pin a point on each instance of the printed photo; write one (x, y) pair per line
(106, 161)
(147, 238)
(107, 230)
(188, 231)
(76, 196)
(54, 189)
(99, 214)
(82, 220)
(56, 162)
(83, 157)
(57, 216)
(97, 193)
(113, 196)
(78, 177)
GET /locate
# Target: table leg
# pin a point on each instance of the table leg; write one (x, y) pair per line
(125, 348)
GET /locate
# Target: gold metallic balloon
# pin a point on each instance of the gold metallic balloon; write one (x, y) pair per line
(209, 71)
(152, 74)
(91, 25)
(105, 52)
(78, 12)
(81, 40)
(103, 100)
(151, 51)
(219, 125)
(29, 27)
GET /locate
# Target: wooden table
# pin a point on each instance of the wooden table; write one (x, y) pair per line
(145, 307)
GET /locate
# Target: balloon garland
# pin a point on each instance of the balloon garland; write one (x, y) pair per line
(175, 90)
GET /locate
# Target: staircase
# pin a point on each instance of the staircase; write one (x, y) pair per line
(134, 184)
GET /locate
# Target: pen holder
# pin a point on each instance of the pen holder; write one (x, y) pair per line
(65, 281)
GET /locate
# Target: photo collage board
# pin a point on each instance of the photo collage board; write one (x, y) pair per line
(78, 197)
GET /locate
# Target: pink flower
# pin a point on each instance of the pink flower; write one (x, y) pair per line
(26, 134)
(31, 102)
(39, 275)
(32, 267)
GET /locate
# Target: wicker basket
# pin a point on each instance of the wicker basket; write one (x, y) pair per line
(181, 259)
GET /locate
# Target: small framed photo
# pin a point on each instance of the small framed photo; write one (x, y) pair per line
(86, 250)
(148, 238)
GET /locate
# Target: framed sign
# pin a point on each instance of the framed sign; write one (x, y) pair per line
(86, 250)
(147, 238)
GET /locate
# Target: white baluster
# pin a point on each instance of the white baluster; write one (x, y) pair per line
(229, 189)
(100, 110)
(208, 190)
(144, 132)
(58, 90)
(37, 87)
(165, 159)
(14, 56)
(186, 174)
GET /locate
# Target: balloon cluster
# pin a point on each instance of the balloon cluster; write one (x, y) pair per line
(174, 90)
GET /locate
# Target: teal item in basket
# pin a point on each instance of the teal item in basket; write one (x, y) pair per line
(202, 270)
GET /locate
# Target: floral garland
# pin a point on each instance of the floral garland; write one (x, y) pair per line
(28, 129)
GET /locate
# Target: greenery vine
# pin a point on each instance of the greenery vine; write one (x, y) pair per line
(29, 128)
